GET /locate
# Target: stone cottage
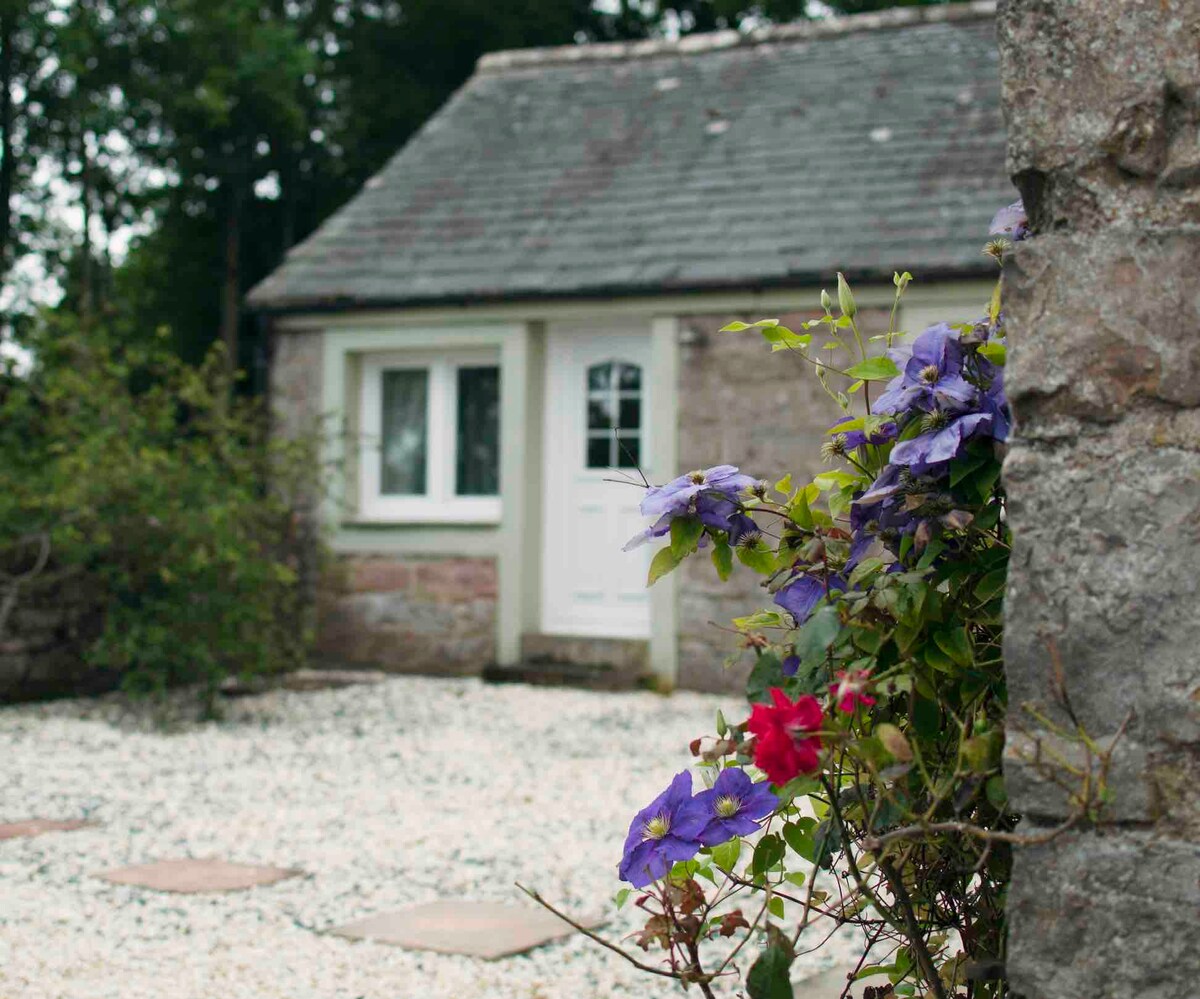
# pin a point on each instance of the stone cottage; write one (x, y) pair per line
(522, 306)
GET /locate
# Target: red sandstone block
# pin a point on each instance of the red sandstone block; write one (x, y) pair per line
(458, 579)
(380, 575)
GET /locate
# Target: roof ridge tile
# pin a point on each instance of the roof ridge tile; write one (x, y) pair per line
(716, 41)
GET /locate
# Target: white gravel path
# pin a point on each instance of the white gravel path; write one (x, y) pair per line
(385, 795)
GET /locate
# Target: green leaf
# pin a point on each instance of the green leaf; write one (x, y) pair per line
(766, 673)
(874, 369)
(769, 976)
(785, 339)
(956, 643)
(995, 352)
(775, 907)
(663, 563)
(722, 558)
(768, 852)
(784, 485)
(798, 835)
(938, 660)
(926, 718)
(759, 619)
(622, 896)
(959, 470)
(685, 536)
(725, 856)
(990, 585)
(760, 558)
(799, 510)
(836, 480)
(997, 794)
(817, 634)
(737, 327)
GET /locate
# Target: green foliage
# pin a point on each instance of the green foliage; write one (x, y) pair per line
(172, 501)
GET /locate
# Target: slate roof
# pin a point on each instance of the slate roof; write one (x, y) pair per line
(867, 144)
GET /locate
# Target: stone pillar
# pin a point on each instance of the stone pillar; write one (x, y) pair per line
(1102, 99)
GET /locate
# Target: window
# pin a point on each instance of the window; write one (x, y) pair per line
(614, 415)
(430, 437)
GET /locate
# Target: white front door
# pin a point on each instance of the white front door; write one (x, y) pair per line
(598, 386)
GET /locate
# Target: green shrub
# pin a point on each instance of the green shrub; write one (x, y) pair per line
(168, 492)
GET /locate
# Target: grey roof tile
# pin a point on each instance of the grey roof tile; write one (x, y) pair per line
(714, 162)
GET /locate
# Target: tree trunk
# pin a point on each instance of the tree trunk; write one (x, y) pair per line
(231, 286)
(7, 30)
(87, 281)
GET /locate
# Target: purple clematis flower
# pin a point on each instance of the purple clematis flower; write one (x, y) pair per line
(661, 833)
(941, 444)
(722, 514)
(802, 593)
(711, 494)
(733, 806)
(851, 439)
(676, 496)
(996, 405)
(932, 376)
(1011, 221)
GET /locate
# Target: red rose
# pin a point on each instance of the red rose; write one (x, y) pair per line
(850, 689)
(785, 745)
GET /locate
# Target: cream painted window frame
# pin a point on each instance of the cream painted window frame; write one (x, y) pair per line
(440, 503)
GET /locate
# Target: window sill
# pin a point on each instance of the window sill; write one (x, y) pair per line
(481, 512)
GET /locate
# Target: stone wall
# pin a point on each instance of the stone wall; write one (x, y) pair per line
(740, 404)
(1103, 106)
(55, 617)
(407, 614)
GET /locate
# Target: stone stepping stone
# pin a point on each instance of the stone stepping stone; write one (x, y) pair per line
(191, 876)
(36, 827)
(488, 930)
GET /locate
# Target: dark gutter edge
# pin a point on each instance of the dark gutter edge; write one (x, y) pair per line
(600, 293)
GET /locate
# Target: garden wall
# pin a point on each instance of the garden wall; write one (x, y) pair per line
(1103, 304)
(411, 615)
(44, 638)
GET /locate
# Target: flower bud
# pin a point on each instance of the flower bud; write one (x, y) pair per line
(826, 301)
(845, 299)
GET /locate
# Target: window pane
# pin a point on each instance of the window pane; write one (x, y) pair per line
(599, 451)
(600, 413)
(630, 378)
(402, 448)
(631, 414)
(478, 452)
(600, 377)
(629, 451)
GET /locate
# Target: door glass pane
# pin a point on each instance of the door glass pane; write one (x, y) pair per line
(631, 414)
(404, 432)
(478, 444)
(630, 378)
(600, 413)
(600, 377)
(629, 451)
(599, 451)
